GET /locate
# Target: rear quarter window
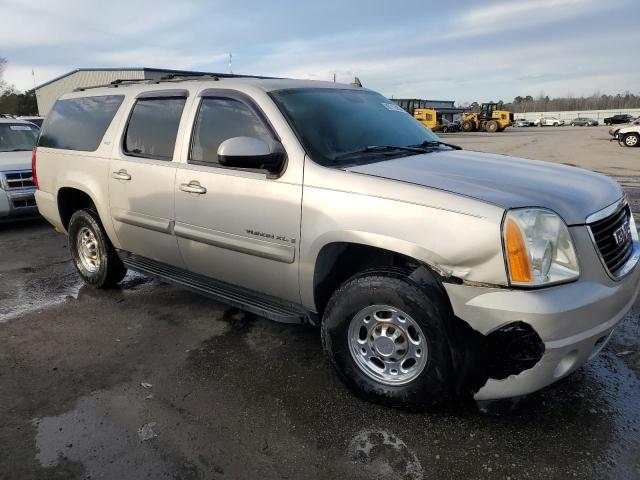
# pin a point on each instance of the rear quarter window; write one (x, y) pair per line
(79, 123)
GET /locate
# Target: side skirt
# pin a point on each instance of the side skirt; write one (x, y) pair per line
(263, 305)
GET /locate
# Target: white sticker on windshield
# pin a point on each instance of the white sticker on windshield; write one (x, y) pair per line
(393, 107)
(20, 127)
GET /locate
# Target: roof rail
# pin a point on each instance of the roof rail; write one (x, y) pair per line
(173, 77)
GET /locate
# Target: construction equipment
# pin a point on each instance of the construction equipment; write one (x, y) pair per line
(488, 119)
(433, 119)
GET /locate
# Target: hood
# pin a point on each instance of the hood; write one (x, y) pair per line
(15, 161)
(504, 181)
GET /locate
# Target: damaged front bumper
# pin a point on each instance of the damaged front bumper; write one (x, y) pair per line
(572, 321)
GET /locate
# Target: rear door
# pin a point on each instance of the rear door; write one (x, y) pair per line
(142, 175)
(243, 226)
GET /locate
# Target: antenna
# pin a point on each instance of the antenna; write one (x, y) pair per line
(230, 63)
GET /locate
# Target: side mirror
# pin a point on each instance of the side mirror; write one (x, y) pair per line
(250, 152)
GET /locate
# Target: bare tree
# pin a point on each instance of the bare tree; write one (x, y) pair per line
(3, 64)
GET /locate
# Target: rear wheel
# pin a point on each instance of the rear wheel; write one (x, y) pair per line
(93, 254)
(573, 124)
(386, 338)
(631, 140)
(491, 126)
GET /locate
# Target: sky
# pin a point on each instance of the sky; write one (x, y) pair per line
(465, 50)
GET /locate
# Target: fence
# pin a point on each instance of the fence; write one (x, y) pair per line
(599, 115)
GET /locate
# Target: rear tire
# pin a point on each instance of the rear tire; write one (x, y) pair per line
(367, 323)
(631, 140)
(93, 255)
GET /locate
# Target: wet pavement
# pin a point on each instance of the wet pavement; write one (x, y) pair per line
(149, 381)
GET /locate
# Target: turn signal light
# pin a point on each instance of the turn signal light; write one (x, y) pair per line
(517, 254)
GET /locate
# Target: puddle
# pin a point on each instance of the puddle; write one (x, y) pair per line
(50, 286)
(101, 433)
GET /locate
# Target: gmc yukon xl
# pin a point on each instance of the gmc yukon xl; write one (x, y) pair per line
(432, 272)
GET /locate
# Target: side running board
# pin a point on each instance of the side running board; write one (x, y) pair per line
(245, 299)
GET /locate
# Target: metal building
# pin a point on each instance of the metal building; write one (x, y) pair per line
(446, 107)
(49, 92)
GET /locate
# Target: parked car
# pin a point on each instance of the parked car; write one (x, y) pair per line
(618, 119)
(431, 271)
(584, 122)
(17, 139)
(548, 122)
(522, 122)
(629, 136)
(613, 131)
(37, 120)
(449, 126)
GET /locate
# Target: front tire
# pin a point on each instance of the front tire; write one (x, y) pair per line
(93, 255)
(386, 338)
(631, 140)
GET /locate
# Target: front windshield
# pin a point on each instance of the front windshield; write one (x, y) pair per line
(336, 126)
(16, 137)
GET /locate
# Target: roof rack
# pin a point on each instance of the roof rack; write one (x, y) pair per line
(173, 77)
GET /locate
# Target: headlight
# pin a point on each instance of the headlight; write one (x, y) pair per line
(538, 248)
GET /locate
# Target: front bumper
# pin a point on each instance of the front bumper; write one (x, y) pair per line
(573, 320)
(17, 203)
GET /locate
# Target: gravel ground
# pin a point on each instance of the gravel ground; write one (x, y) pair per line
(149, 381)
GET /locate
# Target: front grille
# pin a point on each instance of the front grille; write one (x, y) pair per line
(29, 202)
(614, 253)
(22, 179)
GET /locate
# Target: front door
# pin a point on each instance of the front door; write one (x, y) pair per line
(142, 176)
(235, 225)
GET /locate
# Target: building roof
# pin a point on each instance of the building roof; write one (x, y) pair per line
(131, 69)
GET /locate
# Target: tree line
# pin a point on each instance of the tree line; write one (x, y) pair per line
(14, 102)
(542, 103)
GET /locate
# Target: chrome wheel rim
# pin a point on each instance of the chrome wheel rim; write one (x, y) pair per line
(631, 140)
(87, 247)
(387, 345)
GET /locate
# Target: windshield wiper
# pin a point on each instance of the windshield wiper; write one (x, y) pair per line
(380, 149)
(435, 143)
(17, 150)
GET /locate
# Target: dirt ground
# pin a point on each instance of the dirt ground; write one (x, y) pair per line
(149, 381)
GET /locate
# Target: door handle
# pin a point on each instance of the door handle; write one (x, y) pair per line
(193, 187)
(121, 175)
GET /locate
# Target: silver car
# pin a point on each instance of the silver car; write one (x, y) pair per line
(432, 272)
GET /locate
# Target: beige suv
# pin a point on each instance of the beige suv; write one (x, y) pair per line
(432, 272)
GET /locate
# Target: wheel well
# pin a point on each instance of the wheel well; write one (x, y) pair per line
(70, 200)
(337, 262)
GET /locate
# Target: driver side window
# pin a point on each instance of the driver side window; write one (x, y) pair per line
(218, 120)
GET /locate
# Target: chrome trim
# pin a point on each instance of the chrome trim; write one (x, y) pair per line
(607, 211)
(4, 183)
(237, 243)
(630, 264)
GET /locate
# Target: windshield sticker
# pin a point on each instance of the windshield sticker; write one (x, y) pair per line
(393, 107)
(20, 127)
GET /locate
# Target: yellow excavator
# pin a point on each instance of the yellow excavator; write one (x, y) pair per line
(488, 119)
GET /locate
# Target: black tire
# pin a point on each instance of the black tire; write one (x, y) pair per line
(573, 124)
(109, 269)
(427, 306)
(631, 140)
(491, 126)
(467, 126)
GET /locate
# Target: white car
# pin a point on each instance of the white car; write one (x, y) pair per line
(629, 136)
(17, 139)
(548, 122)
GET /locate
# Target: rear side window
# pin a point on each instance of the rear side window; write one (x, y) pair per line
(153, 127)
(218, 120)
(79, 123)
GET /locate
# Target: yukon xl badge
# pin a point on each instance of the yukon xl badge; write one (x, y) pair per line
(622, 234)
(282, 238)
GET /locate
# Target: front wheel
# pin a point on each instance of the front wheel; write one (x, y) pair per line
(386, 338)
(631, 140)
(93, 254)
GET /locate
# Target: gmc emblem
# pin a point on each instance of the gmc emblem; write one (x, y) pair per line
(622, 234)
